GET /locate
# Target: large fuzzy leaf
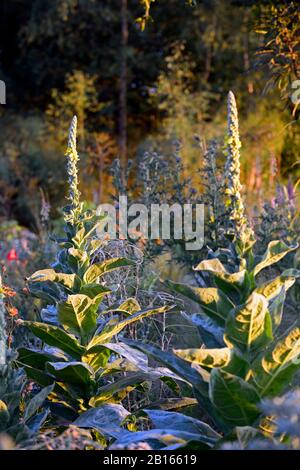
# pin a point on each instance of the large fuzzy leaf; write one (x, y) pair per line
(275, 369)
(249, 327)
(211, 334)
(128, 307)
(36, 402)
(175, 364)
(78, 314)
(107, 419)
(49, 275)
(55, 336)
(208, 358)
(272, 288)
(234, 398)
(94, 291)
(98, 269)
(71, 372)
(125, 384)
(97, 357)
(36, 358)
(214, 302)
(172, 420)
(215, 267)
(110, 330)
(275, 252)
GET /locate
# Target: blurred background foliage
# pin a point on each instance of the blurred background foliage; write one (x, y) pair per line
(142, 75)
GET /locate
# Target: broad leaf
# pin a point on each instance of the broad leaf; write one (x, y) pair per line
(98, 269)
(127, 384)
(49, 275)
(71, 372)
(234, 398)
(36, 358)
(78, 314)
(55, 336)
(211, 334)
(214, 303)
(106, 419)
(271, 289)
(274, 371)
(215, 267)
(275, 252)
(36, 402)
(110, 330)
(207, 358)
(249, 327)
(180, 422)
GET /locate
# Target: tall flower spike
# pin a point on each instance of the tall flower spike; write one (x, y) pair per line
(73, 210)
(238, 223)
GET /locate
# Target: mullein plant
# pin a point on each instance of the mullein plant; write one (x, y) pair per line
(243, 359)
(20, 418)
(80, 355)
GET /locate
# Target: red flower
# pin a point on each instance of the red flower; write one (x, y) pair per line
(12, 255)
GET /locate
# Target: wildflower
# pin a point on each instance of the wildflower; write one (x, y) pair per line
(12, 311)
(238, 223)
(12, 255)
(7, 291)
(73, 210)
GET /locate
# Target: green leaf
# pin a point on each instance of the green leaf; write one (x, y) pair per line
(129, 306)
(49, 275)
(175, 364)
(214, 303)
(215, 267)
(94, 291)
(55, 336)
(275, 252)
(208, 358)
(71, 372)
(233, 398)
(98, 269)
(275, 369)
(249, 326)
(111, 330)
(36, 359)
(78, 314)
(271, 289)
(107, 419)
(97, 357)
(276, 308)
(127, 384)
(172, 420)
(37, 402)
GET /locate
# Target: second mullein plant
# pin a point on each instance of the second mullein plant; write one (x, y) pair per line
(78, 353)
(245, 357)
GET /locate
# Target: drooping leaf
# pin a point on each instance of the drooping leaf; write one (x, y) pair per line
(215, 267)
(98, 269)
(110, 330)
(273, 371)
(275, 252)
(129, 306)
(36, 402)
(127, 383)
(55, 336)
(234, 399)
(208, 358)
(107, 419)
(249, 326)
(271, 289)
(71, 372)
(214, 302)
(36, 358)
(172, 420)
(175, 364)
(49, 275)
(211, 334)
(78, 314)
(97, 357)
